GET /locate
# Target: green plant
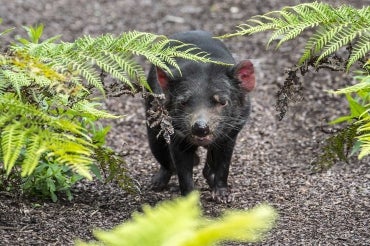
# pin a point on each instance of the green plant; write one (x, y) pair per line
(358, 97)
(51, 95)
(331, 28)
(50, 178)
(180, 222)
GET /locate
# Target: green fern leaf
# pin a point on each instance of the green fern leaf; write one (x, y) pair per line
(258, 24)
(344, 37)
(109, 65)
(364, 135)
(86, 107)
(5, 118)
(35, 149)
(79, 64)
(78, 163)
(71, 151)
(317, 41)
(17, 80)
(365, 150)
(112, 54)
(13, 138)
(360, 49)
(363, 84)
(67, 125)
(4, 84)
(133, 70)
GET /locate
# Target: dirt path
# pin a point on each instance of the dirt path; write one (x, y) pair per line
(271, 161)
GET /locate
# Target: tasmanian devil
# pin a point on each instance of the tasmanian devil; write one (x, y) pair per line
(209, 105)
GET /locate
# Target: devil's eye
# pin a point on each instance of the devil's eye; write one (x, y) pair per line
(222, 101)
(183, 101)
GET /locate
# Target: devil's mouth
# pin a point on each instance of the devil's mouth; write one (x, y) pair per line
(202, 141)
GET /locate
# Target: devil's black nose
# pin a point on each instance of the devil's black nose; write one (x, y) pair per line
(200, 128)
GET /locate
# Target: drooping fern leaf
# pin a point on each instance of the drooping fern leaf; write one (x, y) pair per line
(113, 55)
(335, 28)
(89, 109)
(362, 46)
(13, 138)
(35, 148)
(343, 37)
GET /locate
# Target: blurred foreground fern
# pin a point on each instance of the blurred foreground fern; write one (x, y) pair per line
(180, 222)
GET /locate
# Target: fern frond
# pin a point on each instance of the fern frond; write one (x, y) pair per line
(69, 150)
(4, 84)
(78, 163)
(342, 38)
(258, 24)
(110, 66)
(35, 148)
(88, 108)
(364, 134)
(5, 118)
(42, 81)
(13, 138)
(77, 62)
(133, 70)
(337, 27)
(68, 125)
(158, 51)
(318, 40)
(17, 80)
(360, 49)
(363, 84)
(298, 19)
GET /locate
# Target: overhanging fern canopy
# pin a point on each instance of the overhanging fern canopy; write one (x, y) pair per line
(334, 28)
(114, 55)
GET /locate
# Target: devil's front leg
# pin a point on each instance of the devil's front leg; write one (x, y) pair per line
(184, 158)
(216, 170)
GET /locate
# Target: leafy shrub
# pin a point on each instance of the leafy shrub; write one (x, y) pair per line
(180, 222)
(331, 29)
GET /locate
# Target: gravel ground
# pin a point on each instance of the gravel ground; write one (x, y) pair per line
(272, 158)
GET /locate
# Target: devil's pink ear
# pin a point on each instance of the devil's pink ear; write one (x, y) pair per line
(244, 73)
(162, 78)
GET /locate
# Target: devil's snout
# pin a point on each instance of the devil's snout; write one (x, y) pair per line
(200, 128)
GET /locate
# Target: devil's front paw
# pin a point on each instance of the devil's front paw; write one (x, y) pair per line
(222, 195)
(160, 180)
